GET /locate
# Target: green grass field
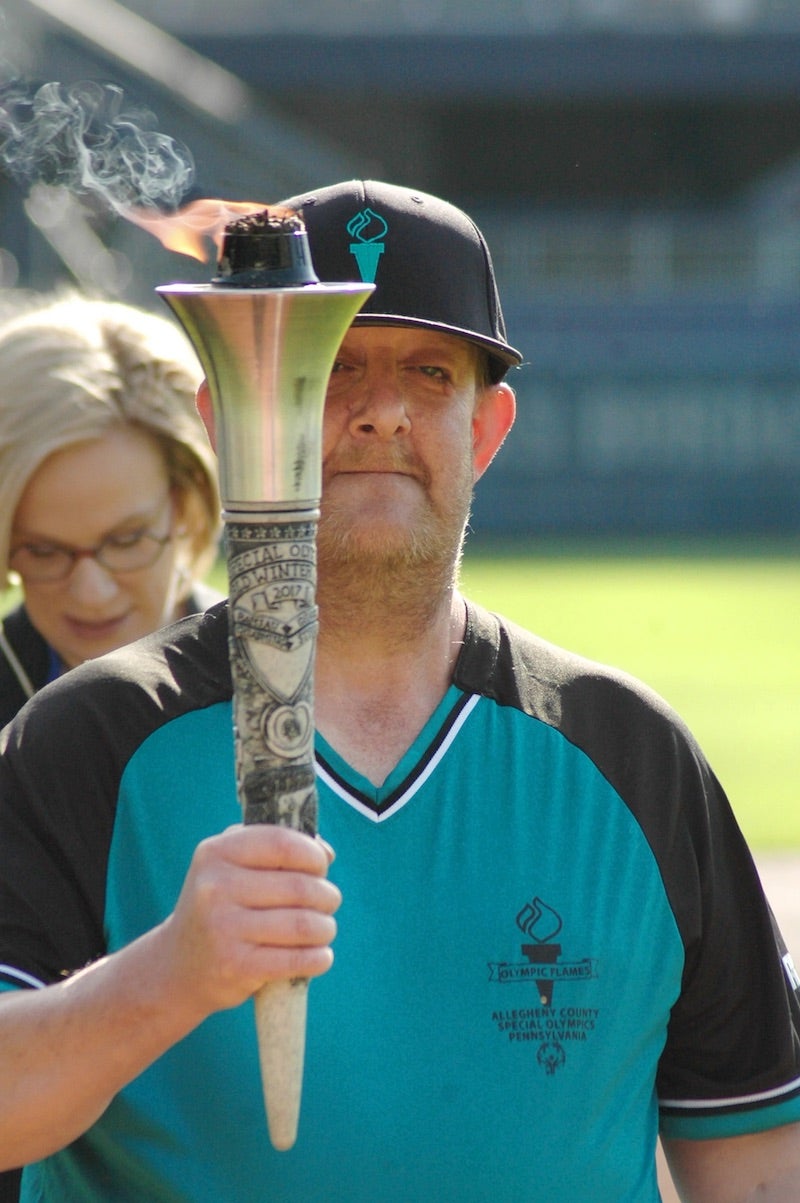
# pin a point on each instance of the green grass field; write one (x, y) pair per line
(714, 629)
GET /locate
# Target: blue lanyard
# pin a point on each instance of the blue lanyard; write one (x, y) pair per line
(54, 666)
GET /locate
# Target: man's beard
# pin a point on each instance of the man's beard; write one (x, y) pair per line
(405, 570)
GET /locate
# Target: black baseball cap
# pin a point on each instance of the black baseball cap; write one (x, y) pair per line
(428, 260)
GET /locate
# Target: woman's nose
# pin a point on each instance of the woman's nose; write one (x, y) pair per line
(90, 582)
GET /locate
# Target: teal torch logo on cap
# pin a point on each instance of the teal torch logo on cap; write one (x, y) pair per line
(369, 246)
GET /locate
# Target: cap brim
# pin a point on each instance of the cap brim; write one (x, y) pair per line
(508, 356)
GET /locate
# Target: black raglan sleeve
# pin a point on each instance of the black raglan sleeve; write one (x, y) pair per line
(61, 763)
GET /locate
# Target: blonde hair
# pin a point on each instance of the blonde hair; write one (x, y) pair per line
(74, 367)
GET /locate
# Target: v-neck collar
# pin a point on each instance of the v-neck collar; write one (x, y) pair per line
(414, 767)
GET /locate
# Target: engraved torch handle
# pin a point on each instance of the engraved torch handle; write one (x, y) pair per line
(273, 627)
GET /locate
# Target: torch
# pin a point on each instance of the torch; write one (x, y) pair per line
(266, 332)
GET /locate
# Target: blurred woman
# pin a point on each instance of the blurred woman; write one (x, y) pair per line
(109, 504)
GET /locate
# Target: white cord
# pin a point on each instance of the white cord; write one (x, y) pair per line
(19, 671)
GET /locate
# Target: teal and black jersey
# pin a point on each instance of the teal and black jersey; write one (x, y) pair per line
(552, 941)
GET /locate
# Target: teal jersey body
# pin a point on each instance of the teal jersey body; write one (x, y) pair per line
(552, 939)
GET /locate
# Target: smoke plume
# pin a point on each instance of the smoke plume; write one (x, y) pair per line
(87, 138)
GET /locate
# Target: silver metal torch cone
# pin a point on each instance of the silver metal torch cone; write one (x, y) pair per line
(267, 355)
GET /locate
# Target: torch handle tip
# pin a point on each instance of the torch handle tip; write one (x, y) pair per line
(280, 1009)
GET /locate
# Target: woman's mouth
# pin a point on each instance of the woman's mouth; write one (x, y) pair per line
(95, 630)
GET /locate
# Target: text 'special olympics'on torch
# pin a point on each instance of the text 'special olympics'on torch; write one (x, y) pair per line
(266, 332)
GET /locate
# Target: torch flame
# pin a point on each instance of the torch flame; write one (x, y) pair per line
(184, 231)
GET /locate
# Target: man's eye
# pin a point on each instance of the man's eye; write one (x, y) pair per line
(434, 372)
(42, 551)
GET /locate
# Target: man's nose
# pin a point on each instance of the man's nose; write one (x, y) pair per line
(380, 409)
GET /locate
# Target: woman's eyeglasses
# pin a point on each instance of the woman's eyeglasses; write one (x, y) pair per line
(117, 553)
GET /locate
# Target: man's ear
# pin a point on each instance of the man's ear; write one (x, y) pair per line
(206, 412)
(494, 415)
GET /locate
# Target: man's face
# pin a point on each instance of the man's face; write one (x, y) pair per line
(397, 462)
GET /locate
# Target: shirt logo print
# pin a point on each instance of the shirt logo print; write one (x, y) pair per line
(538, 1022)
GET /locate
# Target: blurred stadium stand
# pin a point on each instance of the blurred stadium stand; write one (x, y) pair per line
(634, 163)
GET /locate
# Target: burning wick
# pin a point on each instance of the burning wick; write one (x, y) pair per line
(266, 250)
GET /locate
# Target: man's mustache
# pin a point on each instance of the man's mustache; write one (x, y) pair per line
(356, 460)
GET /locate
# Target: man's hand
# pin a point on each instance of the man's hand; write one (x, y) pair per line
(255, 906)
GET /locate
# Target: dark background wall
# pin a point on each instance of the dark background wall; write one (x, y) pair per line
(638, 179)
